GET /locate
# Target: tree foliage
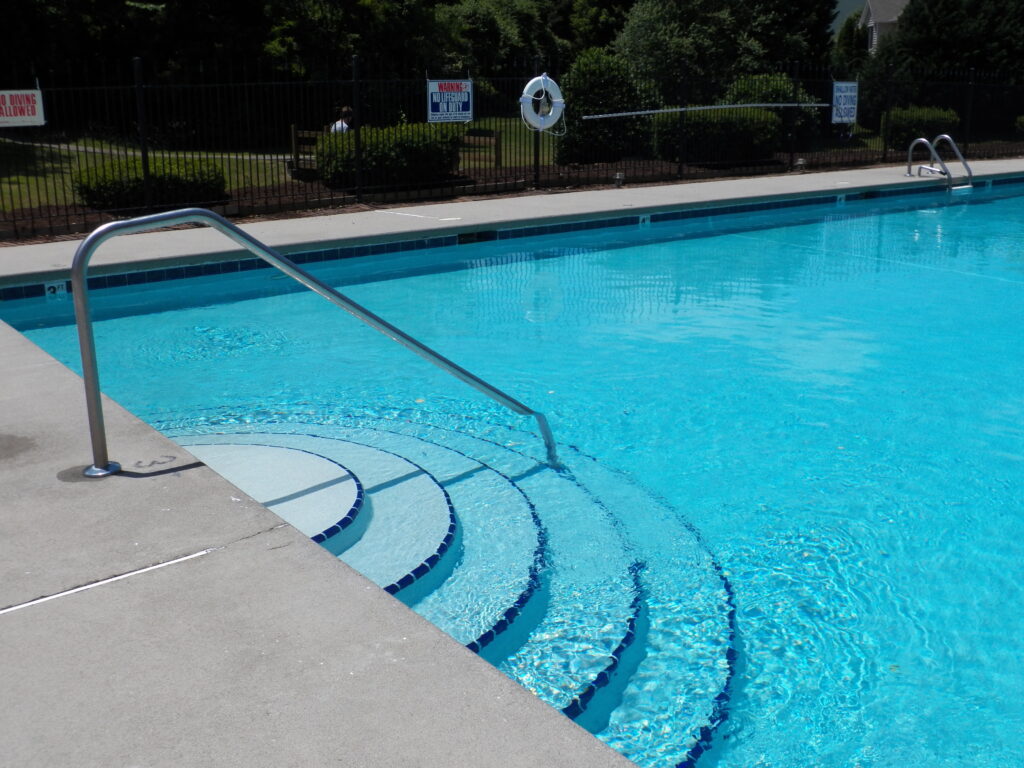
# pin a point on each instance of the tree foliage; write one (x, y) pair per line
(497, 37)
(601, 83)
(702, 45)
(596, 23)
(850, 52)
(980, 34)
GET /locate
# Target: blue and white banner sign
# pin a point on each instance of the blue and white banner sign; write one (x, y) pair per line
(844, 102)
(449, 101)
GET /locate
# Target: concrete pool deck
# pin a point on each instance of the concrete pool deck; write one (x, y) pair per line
(162, 617)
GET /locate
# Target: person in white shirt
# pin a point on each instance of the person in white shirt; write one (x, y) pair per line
(344, 121)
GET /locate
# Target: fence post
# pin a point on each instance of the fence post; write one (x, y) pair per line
(968, 121)
(791, 113)
(681, 130)
(886, 126)
(357, 122)
(536, 138)
(140, 107)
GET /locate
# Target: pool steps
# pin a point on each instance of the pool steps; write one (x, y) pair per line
(622, 622)
(415, 525)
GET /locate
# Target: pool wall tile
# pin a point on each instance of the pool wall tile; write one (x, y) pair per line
(711, 213)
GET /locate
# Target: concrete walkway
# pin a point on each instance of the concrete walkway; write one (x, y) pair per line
(162, 617)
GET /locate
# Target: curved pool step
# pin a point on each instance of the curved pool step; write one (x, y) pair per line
(501, 541)
(586, 580)
(318, 496)
(663, 704)
(682, 685)
(641, 655)
(413, 524)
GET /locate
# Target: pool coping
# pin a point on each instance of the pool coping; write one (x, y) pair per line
(448, 223)
(204, 631)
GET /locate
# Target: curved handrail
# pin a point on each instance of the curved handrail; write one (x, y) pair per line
(931, 150)
(102, 466)
(956, 151)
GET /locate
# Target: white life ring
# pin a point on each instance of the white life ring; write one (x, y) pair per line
(534, 91)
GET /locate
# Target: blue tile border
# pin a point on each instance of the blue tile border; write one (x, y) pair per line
(579, 703)
(141, 277)
(432, 561)
(350, 515)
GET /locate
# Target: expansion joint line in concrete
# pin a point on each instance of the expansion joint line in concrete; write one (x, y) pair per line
(100, 583)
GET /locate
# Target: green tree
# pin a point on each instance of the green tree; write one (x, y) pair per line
(791, 30)
(596, 23)
(851, 47)
(498, 37)
(601, 83)
(691, 49)
(394, 37)
(983, 34)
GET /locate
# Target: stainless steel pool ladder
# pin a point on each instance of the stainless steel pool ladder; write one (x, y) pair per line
(938, 166)
(101, 465)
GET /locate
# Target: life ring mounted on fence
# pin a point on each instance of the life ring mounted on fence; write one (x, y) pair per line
(539, 88)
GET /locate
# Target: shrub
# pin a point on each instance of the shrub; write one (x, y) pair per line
(779, 89)
(601, 83)
(392, 156)
(118, 183)
(902, 125)
(721, 136)
(1018, 126)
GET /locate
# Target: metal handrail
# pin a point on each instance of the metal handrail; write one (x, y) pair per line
(934, 155)
(942, 169)
(102, 466)
(956, 151)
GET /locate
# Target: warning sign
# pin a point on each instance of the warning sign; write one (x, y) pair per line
(844, 102)
(449, 101)
(21, 108)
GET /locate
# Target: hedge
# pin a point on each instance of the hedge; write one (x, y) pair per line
(902, 125)
(602, 83)
(721, 136)
(780, 89)
(118, 183)
(392, 156)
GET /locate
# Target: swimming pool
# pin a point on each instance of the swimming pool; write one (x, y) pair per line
(824, 397)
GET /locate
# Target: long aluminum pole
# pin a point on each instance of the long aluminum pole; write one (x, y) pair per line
(79, 282)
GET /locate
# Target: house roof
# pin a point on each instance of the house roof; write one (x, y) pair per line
(882, 11)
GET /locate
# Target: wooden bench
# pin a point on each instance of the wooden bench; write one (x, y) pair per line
(484, 137)
(302, 163)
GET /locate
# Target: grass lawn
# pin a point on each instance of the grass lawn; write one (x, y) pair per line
(35, 175)
(516, 145)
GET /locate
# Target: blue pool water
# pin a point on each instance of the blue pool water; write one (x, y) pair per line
(828, 401)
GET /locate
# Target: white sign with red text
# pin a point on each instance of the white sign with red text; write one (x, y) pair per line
(21, 108)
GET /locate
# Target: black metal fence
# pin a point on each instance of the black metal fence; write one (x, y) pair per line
(267, 137)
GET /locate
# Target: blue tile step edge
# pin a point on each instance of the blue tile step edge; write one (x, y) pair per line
(412, 538)
(317, 495)
(708, 617)
(593, 705)
(586, 579)
(691, 635)
(474, 604)
(503, 541)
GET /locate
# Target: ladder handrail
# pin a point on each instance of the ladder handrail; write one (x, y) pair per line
(956, 151)
(931, 150)
(942, 169)
(79, 285)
